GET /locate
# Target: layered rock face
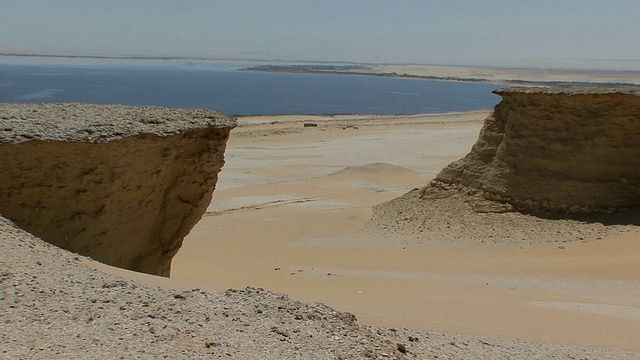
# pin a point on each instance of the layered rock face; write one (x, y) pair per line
(123, 185)
(556, 149)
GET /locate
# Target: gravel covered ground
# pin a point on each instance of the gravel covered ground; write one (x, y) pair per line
(100, 123)
(54, 307)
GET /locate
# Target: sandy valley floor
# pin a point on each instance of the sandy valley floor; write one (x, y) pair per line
(291, 210)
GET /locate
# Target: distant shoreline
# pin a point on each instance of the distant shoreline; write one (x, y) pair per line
(511, 76)
(344, 70)
(158, 57)
(521, 77)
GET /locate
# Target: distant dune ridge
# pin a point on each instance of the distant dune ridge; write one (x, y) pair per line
(373, 168)
(123, 185)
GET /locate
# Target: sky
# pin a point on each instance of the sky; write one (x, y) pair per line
(461, 32)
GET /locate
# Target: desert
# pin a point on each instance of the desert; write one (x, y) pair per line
(487, 274)
(554, 73)
(331, 180)
(316, 212)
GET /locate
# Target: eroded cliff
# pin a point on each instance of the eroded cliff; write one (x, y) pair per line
(568, 149)
(123, 185)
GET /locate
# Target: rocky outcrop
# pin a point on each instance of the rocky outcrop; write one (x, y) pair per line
(123, 185)
(568, 149)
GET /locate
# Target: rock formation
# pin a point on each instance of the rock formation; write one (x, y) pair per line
(573, 150)
(123, 185)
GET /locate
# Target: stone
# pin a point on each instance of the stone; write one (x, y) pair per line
(565, 149)
(123, 185)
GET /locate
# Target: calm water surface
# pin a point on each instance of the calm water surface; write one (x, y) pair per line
(221, 86)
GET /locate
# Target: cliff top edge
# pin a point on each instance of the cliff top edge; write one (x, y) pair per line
(570, 90)
(93, 123)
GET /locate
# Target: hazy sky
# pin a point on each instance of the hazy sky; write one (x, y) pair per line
(408, 31)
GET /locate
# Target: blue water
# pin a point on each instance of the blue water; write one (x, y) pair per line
(222, 87)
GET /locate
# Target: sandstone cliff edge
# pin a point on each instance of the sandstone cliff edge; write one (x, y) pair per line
(572, 150)
(123, 185)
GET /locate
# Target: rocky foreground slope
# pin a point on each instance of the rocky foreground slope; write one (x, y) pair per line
(123, 185)
(52, 306)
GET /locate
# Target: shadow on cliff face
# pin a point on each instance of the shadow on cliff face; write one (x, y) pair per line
(628, 216)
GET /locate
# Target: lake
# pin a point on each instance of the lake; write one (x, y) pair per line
(221, 86)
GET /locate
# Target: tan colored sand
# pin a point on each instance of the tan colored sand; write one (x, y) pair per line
(624, 74)
(286, 218)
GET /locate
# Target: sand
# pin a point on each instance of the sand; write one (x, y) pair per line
(291, 214)
(53, 306)
(625, 73)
